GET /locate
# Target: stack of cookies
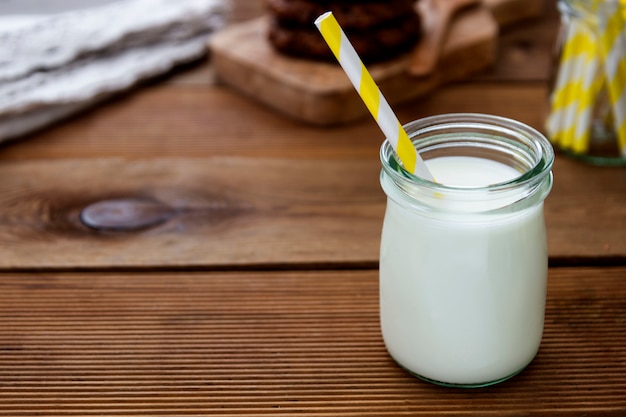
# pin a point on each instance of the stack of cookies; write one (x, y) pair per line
(378, 29)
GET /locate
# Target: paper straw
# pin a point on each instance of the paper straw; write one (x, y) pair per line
(576, 91)
(561, 98)
(592, 60)
(371, 95)
(613, 50)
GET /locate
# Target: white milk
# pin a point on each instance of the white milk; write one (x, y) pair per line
(462, 297)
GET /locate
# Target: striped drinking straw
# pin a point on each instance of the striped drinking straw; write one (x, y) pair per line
(613, 51)
(593, 62)
(371, 95)
(577, 86)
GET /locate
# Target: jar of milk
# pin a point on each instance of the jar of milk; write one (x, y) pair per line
(463, 260)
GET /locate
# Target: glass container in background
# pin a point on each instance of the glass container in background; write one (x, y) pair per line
(587, 103)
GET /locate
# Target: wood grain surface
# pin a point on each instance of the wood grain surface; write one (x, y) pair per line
(257, 291)
(280, 343)
(248, 212)
(198, 122)
(225, 212)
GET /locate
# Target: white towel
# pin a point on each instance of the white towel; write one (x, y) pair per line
(52, 66)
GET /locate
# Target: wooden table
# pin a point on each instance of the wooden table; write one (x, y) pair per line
(257, 293)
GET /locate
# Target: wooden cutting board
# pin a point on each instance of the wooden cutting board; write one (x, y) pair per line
(320, 93)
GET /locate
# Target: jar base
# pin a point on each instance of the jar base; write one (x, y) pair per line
(603, 149)
(599, 160)
(456, 385)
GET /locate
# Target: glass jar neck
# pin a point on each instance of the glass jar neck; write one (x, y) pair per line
(481, 136)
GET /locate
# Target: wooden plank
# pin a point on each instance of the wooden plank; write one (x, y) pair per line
(250, 212)
(166, 121)
(279, 343)
(576, 224)
(224, 213)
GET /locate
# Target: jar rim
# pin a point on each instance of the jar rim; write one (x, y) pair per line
(540, 168)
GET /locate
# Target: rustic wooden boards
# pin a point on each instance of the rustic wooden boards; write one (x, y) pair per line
(251, 212)
(191, 121)
(204, 121)
(114, 324)
(226, 212)
(286, 343)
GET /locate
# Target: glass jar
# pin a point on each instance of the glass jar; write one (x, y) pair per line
(586, 115)
(463, 267)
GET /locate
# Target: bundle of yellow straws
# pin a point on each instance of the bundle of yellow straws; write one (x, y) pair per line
(591, 80)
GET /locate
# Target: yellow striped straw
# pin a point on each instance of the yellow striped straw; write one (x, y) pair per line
(371, 95)
(593, 61)
(613, 52)
(577, 86)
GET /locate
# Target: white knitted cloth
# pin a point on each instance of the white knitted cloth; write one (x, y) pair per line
(52, 66)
